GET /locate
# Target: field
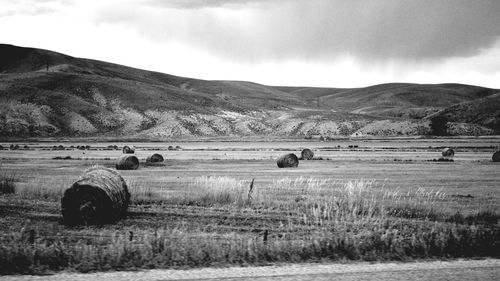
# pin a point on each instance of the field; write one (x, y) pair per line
(372, 200)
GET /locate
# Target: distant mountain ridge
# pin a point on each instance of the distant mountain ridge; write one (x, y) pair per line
(44, 93)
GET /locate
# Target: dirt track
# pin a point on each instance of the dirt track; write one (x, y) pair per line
(437, 270)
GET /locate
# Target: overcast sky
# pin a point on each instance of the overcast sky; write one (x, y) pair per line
(336, 43)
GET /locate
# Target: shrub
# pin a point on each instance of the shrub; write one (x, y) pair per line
(439, 126)
(7, 181)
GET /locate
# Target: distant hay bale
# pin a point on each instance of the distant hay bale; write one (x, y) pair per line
(127, 162)
(170, 147)
(129, 149)
(496, 156)
(307, 154)
(288, 161)
(448, 152)
(154, 158)
(99, 196)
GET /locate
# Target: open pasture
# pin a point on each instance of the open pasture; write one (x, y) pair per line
(359, 200)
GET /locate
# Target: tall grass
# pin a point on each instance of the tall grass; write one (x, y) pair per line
(298, 219)
(8, 181)
(50, 190)
(202, 191)
(210, 191)
(163, 248)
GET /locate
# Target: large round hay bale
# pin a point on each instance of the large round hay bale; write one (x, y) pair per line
(307, 154)
(448, 152)
(127, 162)
(99, 196)
(496, 156)
(154, 158)
(288, 161)
(128, 149)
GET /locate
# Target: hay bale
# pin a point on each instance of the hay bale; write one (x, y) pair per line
(154, 158)
(307, 154)
(127, 162)
(288, 161)
(99, 196)
(448, 152)
(129, 149)
(496, 156)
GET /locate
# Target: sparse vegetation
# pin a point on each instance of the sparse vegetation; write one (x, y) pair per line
(251, 216)
(312, 219)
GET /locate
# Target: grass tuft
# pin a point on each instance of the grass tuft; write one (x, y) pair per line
(8, 181)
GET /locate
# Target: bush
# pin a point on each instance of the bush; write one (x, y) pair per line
(439, 126)
(62, 157)
(7, 182)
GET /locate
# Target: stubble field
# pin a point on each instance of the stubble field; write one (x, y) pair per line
(358, 200)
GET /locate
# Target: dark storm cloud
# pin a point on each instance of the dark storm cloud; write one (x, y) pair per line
(323, 29)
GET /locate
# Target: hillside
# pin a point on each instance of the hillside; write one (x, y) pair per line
(484, 111)
(44, 93)
(395, 99)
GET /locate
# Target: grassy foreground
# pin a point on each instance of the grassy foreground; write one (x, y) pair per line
(226, 221)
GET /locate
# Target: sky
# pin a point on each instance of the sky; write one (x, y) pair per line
(323, 43)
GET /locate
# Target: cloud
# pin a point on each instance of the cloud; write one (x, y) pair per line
(30, 7)
(319, 29)
(292, 42)
(200, 4)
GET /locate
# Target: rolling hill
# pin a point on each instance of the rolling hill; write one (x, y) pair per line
(44, 94)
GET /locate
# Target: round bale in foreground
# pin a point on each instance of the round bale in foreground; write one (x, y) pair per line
(154, 158)
(127, 162)
(99, 196)
(307, 154)
(128, 149)
(288, 161)
(448, 152)
(496, 156)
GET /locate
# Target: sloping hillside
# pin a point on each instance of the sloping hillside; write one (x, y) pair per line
(43, 93)
(484, 111)
(396, 99)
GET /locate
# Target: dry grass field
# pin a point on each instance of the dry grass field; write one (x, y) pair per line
(358, 200)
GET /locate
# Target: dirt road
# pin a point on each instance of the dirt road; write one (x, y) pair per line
(437, 270)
